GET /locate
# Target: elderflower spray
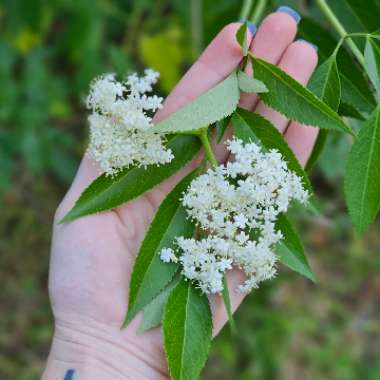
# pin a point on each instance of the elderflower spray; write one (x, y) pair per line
(236, 206)
(120, 133)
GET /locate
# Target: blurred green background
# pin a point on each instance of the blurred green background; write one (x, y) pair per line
(49, 51)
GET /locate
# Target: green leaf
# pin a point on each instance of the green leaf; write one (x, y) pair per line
(325, 83)
(154, 311)
(362, 179)
(290, 250)
(347, 110)
(355, 89)
(318, 147)
(187, 330)
(108, 192)
(217, 103)
(251, 126)
(150, 274)
(249, 84)
(372, 63)
(227, 304)
(352, 96)
(241, 36)
(357, 16)
(293, 100)
(221, 126)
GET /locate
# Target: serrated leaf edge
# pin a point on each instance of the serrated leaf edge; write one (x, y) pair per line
(195, 131)
(359, 227)
(187, 301)
(343, 125)
(68, 218)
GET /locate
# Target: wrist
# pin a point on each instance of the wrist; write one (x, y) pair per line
(94, 351)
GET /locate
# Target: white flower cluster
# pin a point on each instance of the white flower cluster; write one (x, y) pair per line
(235, 208)
(119, 124)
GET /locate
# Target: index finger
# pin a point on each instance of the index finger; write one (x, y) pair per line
(221, 56)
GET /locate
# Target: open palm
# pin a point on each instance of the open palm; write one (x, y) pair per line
(92, 257)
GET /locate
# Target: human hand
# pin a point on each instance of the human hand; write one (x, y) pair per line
(92, 257)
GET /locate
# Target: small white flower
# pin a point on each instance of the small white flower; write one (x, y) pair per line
(240, 221)
(103, 93)
(237, 206)
(167, 255)
(120, 133)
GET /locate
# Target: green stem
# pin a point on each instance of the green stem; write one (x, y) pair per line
(227, 304)
(326, 10)
(359, 35)
(245, 9)
(196, 27)
(207, 147)
(258, 11)
(341, 41)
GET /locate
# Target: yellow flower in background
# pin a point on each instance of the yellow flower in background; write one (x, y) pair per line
(169, 64)
(26, 41)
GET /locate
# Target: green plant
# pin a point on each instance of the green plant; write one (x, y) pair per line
(185, 307)
(358, 99)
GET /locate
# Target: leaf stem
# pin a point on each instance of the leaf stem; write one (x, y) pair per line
(326, 10)
(207, 147)
(245, 9)
(359, 35)
(196, 27)
(258, 11)
(349, 35)
(227, 304)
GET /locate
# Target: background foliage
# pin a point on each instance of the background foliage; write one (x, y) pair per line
(49, 51)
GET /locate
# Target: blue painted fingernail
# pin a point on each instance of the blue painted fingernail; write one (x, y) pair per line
(69, 375)
(251, 26)
(315, 47)
(291, 12)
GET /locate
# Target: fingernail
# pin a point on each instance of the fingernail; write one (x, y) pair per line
(291, 12)
(251, 26)
(315, 47)
(69, 375)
